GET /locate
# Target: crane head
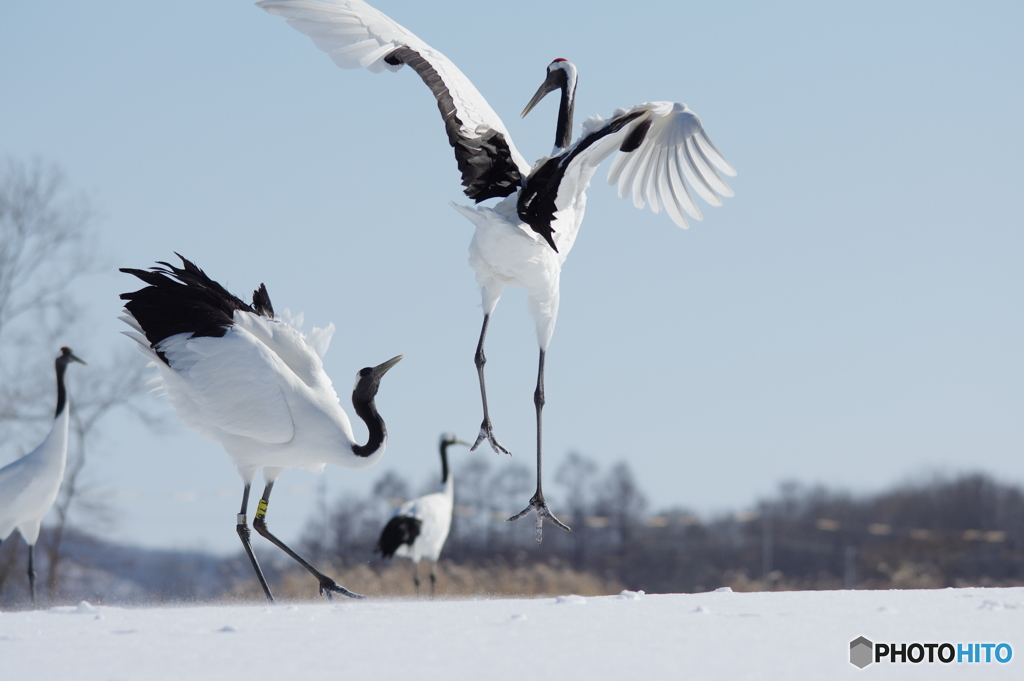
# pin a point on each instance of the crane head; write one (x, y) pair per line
(67, 356)
(368, 379)
(561, 76)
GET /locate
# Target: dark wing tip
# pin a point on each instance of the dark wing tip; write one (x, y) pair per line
(261, 302)
(400, 530)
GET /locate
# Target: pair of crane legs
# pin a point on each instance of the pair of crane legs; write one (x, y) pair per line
(537, 502)
(31, 571)
(327, 585)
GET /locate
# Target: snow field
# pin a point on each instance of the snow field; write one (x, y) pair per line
(717, 635)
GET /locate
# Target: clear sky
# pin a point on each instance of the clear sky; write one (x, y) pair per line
(852, 317)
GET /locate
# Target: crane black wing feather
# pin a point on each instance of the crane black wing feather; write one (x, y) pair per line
(401, 529)
(356, 35)
(485, 161)
(185, 300)
(537, 202)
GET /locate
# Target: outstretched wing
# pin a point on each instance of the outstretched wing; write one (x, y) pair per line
(356, 35)
(662, 148)
(653, 163)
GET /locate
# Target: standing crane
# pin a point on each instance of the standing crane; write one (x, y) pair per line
(29, 485)
(254, 383)
(661, 151)
(420, 527)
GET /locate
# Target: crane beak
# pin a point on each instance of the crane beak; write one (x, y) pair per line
(76, 359)
(381, 369)
(460, 442)
(550, 84)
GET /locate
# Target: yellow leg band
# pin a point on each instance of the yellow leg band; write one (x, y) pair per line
(261, 510)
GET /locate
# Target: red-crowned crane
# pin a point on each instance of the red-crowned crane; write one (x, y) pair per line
(420, 527)
(254, 383)
(29, 485)
(522, 240)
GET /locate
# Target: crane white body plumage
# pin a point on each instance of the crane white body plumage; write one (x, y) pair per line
(29, 485)
(260, 390)
(434, 511)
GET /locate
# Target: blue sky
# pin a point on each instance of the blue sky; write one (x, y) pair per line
(852, 317)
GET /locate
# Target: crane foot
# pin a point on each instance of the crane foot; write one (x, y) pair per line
(538, 504)
(329, 587)
(487, 432)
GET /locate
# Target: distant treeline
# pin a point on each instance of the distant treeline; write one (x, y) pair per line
(937, 532)
(942, 531)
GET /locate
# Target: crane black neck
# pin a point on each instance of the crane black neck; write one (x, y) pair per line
(366, 408)
(563, 129)
(444, 461)
(62, 394)
(378, 433)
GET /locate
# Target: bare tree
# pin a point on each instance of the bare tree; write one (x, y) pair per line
(46, 244)
(621, 500)
(576, 475)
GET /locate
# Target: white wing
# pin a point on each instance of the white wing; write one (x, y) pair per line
(356, 35)
(231, 384)
(658, 144)
(675, 148)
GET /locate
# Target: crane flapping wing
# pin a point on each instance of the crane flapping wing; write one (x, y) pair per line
(356, 35)
(673, 147)
(659, 145)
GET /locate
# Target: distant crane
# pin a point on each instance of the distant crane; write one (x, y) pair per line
(254, 383)
(29, 485)
(524, 239)
(420, 527)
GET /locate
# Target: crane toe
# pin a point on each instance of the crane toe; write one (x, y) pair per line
(487, 433)
(329, 587)
(538, 504)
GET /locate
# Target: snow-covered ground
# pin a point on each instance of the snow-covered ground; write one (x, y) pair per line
(718, 635)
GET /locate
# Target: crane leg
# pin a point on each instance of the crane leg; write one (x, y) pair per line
(243, 533)
(537, 502)
(416, 577)
(31, 573)
(327, 585)
(486, 430)
(433, 577)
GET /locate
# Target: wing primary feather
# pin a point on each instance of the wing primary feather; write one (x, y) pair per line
(636, 179)
(679, 188)
(708, 172)
(654, 169)
(694, 177)
(713, 154)
(668, 196)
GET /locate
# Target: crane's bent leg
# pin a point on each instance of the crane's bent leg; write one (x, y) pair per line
(537, 503)
(327, 585)
(32, 573)
(243, 533)
(486, 431)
